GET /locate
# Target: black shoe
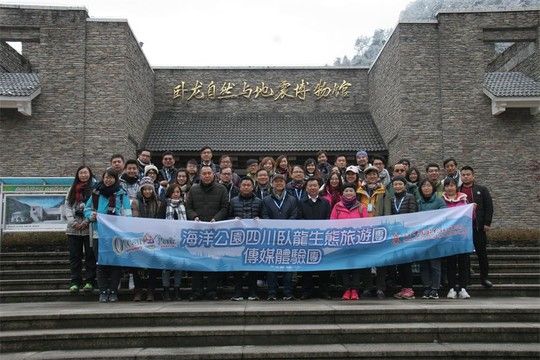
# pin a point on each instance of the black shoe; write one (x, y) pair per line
(486, 283)
(166, 295)
(325, 296)
(305, 297)
(212, 296)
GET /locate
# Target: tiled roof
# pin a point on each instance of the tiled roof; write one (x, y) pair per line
(18, 84)
(511, 84)
(263, 132)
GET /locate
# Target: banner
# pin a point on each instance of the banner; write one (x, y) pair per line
(284, 245)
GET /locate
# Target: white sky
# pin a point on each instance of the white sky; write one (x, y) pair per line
(244, 32)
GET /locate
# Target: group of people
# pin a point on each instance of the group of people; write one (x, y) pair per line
(272, 189)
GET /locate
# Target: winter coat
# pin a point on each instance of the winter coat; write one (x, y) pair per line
(122, 207)
(376, 199)
(384, 176)
(433, 203)
(167, 174)
(461, 199)
(297, 194)
(261, 192)
(411, 189)
(340, 211)
(289, 209)
(245, 207)
(328, 196)
(409, 205)
(75, 215)
(232, 191)
(207, 202)
(484, 206)
(315, 210)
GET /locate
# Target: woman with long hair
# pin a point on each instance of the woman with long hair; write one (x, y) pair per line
(78, 233)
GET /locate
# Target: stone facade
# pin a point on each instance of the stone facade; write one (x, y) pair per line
(96, 93)
(424, 92)
(12, 61)
(441, 110)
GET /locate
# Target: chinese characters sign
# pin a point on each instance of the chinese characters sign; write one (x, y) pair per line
(284, 90)
(290, 245)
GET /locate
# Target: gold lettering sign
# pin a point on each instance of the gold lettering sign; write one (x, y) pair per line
(284, 90)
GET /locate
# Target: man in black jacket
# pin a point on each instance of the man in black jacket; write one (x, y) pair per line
(167, 174)
(483, 214)
(314, 208)
(206, 201)
(245, 206)
(279, 205)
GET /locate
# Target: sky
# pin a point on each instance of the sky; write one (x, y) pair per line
(244, 32)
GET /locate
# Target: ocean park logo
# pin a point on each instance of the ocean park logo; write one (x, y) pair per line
(145, 241)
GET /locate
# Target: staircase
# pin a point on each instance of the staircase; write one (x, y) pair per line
(40, 319)
(44, 276)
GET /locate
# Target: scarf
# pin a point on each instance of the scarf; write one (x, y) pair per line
(349, 203)
(110, 193)
(282, 171)
(130, 180)
(298, 185)
(175, 210)
(334, 193)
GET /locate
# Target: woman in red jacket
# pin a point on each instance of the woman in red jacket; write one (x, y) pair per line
(349, 208)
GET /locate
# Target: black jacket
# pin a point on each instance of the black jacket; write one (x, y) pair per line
(271, 210)
(245, 208)
(484, 205)
(261, 193)
(207, 202)
(320, 209)
(232, 190)
(409, 205)
(162, 174)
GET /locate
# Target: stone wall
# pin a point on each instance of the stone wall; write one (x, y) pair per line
(385, 93)
(96, 94)
(51, 136)
(11, 61)
(496, 146)
(167, 79)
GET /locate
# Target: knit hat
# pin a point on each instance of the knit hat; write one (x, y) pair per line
(361, 153)
(147, 168)
(146, 181)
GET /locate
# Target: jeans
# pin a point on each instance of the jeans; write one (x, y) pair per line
(271, 279)
(430, 271)
(76, 246)
(405, 275)
(166, 278)
(108, 277)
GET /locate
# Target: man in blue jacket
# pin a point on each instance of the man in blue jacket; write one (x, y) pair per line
(279, 205)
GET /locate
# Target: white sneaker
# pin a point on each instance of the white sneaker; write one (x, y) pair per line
(452, 294)
(463, 294)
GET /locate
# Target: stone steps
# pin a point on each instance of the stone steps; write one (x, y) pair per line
(406, 351)
(60, 329)
(235, 335)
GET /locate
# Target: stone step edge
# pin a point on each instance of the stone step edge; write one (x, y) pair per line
(267, 329)
(338, 309)
(326, 351)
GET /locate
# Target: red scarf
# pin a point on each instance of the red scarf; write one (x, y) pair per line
(80, 189)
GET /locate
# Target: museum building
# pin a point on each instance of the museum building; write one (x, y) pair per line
(465, 85)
